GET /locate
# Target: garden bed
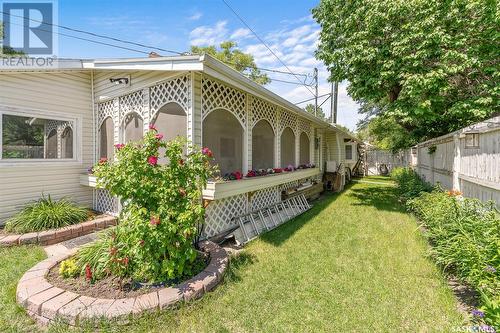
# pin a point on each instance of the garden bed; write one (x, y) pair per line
(45, 302)
(58, 235)
(111, 286)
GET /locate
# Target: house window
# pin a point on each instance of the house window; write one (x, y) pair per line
(34, 137)
(472, 140)
(348, 152)
(223, 134)
(262, 145)
(304, 149)
(287, 148)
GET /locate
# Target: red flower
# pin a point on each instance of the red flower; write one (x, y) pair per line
(153, 160)
(182, 192)
(159, 136)
(207, 151)
(152, 127)
(154, 220)
(181, 161)
(88, 272)
(103, 160)
(113, 251)
(141, 242)
(125, 261)
(278, 170)
(119, 146)
(238, 175)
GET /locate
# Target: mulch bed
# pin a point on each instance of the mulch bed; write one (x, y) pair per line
(109, 287)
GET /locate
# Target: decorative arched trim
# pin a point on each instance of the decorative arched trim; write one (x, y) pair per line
(267, 121)
(153, 114)
(176, 89)
(216, 95)
(225, 109)
(306, 133)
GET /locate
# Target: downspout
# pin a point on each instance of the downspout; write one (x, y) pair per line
(94, 145)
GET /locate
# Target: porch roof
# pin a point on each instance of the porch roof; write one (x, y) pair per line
(201, 63)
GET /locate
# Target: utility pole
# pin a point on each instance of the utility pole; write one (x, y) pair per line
(315, 91)
(335, 97)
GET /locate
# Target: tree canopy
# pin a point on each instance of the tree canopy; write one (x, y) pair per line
(229, 54)
(311, 109)
(5, 50)
(422, 68)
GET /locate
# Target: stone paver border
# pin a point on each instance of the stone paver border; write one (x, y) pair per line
(45, 302)
(54, 236)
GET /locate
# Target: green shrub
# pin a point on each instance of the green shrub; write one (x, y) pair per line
(409, 185)
(161, 210)
(465, 238)
(45, 214)
(96, 255)
(68, 268)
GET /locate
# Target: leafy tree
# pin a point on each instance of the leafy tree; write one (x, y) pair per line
(6, 50)
(229, 54)
(311, 109)
(429, 67)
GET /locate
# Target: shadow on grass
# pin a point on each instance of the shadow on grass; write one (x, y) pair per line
(380, 197)
(238, 263)
(279, 235)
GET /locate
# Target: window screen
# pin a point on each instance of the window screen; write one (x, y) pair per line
(36, 138)
(348, 152)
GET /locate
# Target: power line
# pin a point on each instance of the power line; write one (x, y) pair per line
(310, 99)
(262, 41)
(86, 39)
(94, 34)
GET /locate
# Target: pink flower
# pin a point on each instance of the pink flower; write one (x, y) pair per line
(119, 146)
(153, 160)
(103, 160)
(154, 220)
(152, 127)
(207, 151)
(159, 136)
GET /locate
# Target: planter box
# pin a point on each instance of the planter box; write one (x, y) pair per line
(224, 189)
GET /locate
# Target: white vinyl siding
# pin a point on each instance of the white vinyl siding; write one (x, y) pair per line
(64, 93)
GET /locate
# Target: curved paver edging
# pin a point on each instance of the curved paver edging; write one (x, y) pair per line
(54, 236)
(45, 302)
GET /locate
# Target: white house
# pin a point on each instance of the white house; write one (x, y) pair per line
(57, 122)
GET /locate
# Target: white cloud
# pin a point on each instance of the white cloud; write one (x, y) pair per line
(195, 16)
(241, 33)
(209, 35)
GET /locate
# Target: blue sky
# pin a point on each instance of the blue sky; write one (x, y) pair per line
(287, 26)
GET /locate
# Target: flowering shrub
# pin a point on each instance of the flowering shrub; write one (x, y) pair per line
(161, 207)
(465, 238)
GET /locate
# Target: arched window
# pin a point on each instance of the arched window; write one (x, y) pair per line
(51, 145)
(67, 143)
(106, 138)
(262, 145)
(304, 157)
(171, 121)
(223, 134)
(133, 128)
(287, 147)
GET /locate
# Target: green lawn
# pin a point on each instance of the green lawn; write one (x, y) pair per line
(354, 263)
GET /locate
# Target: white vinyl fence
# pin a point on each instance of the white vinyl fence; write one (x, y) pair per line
(381, 162)
(467, 160)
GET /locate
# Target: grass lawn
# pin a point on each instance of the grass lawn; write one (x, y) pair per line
(353, 263)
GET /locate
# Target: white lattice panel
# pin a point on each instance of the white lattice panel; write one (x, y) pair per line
(131, 103)
(173, 90)
(304, 126)
(220, 214)
(265, 197)
(105, 203)
(216, 95)
(263, 110)
(286, 186)
(104, 110)
(288, 119)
